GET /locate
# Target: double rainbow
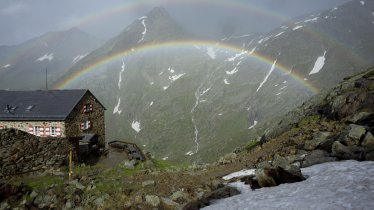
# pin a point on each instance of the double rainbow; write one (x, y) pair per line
(180, 44)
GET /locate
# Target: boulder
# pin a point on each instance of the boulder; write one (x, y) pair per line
(347, 152)
(223, 192)
(269, 177)
(251, 181)
(130, 164)
(319, 139)
(148, 183)
(279, 161)
(317, 157)
(138, 199)
(179, 197)
(152, 200)
(264, 164)
(356, 132)
(227, 159)
(368, 142)
(168, 204)
(369, 156)
(358, 117)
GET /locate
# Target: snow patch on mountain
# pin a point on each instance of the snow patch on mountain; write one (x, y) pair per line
(318, 65)
(280, 33)
(171, 70)
(204, 91)
(267, 76)
(226, 82)
(334, 185)
(151, 103)
(253, 125)
(197, 101)
(235, 37)
(45, 57)
(311, 20)
(283, 87)
(235, 70)
(238, 174)
(190, 153)
(362, 3)
(165, 158)
(120, 74)
(232, 71)
(116, 109)
(297, 27)
(237, 55)
(264, 39)
(135, 125)
(211, 52)
(78, 58)
(6, 66)
(176, 77)
(253, 50)
(145, 28)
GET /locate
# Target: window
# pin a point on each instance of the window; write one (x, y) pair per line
(36, 130)
(87, 108)
(53, 131)
(86, 125)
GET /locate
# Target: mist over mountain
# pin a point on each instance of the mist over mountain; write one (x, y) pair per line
(24, 66)
(185, 98)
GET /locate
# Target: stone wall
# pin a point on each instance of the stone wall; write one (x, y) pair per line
(78, 116)
(25, 125)
(21, 152)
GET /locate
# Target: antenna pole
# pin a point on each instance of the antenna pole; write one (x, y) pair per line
(46, 78)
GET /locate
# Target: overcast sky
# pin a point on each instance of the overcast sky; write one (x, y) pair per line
(21, 20)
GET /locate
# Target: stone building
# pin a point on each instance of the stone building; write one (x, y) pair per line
(55, 113)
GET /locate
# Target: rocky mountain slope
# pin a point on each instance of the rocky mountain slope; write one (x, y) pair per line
(22, 67)
(188, 99)
(332, 128)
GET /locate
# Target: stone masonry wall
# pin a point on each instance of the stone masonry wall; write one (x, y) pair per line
(96, 116)
(21, 152)
(25, 125)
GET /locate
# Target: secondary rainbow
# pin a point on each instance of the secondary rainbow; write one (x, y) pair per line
(180, 44)
(140, 5)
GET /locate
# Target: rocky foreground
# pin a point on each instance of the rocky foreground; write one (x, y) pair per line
(336, 126)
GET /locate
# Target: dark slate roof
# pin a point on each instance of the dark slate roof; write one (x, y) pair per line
(43, 105)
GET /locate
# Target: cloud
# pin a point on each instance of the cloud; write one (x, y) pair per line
(14, 9)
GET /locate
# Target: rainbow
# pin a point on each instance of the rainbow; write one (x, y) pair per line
(177, 45)
(139, 5)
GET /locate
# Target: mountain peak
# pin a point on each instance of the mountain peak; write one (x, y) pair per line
(158, 12)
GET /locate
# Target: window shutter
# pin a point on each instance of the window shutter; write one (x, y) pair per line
(88, 124)
(31, 130)
(41, 131)
(58, 131)
(46, 130)
(82, 126)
